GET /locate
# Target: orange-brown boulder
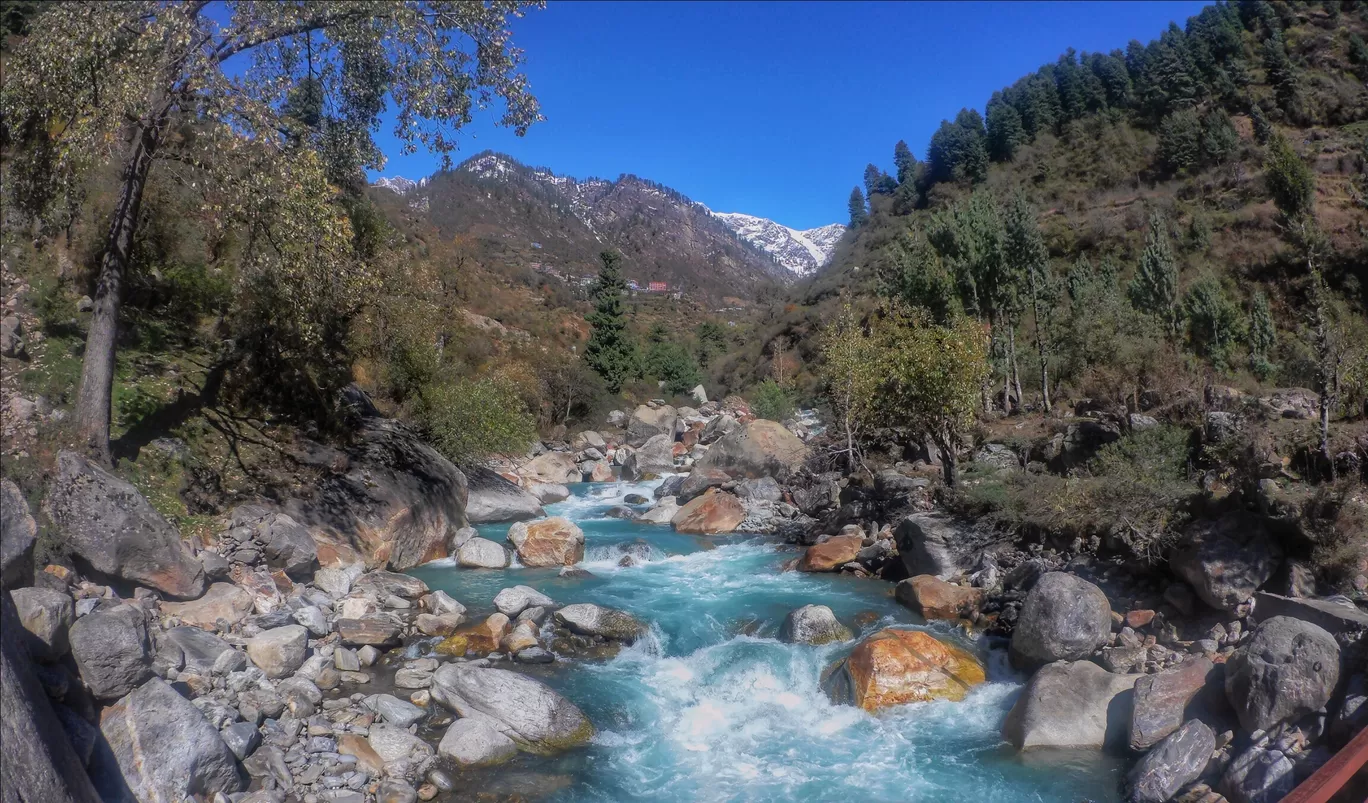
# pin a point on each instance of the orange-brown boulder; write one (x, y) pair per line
(893, 667)
(709, 514)
(481, 639)
(832, 554)
(556, 541)
(934, 598)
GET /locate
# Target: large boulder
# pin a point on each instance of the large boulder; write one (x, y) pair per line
(548, 493)
(652, 458)
(663, 513)
(1288, 669)
(1064, 618)
(556, 541)
(1174, 763)
(831, 554)
(279, 651)
(46, 614)
(718, 428)
(288, 545)
(813, 624)
(223, 601)
(18, 534)
(1165, 700)
(588, 619)
(931, 543)
(552, 467)
(933, 598)
(199, 649)
(1261, 774)
(1226, 560)
(112, 650)
(476, 741)
(893, 667)
(516, 599)
(166, 749)
(525, 710)
(758, 449)
(710, 514)
(648, 422)
(481, 553)
(699, 481)
(113, 530)
(494, 499)
(1071, 704)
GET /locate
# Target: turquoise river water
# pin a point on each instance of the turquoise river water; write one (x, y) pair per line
(711, 707)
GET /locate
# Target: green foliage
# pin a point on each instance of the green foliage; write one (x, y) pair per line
(1215, 324)
(611, 351)
(958, 151)
(1281, 74)
(712, 342)
(1154, 288)
(1263, 129)
(1104, 340)
(1005, 132)
(877, 181)
(1262, 337)
(914, 273)
(469, 420)
(1180, 140)
(1152, 456)
(1220, 140)
(1289, 181)
(905, 163)
(772, 401)
(1358, 54)
(672, 364)
(858, 213)
(851, 376)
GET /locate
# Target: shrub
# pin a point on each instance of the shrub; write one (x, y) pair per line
(471, 419)
(772, 401)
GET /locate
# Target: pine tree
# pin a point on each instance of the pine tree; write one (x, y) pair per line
(1180, 140)
(1005, 133)
(1220, 141)
(610, 351)
(1290, 182)
(858, 215)
(871, 180)
(1281, 74)
(1262, 337)
(1025, 251)
(905, 163)
(1213, 320)
(1154, 289)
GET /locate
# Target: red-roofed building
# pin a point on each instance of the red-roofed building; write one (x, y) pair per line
(657, 287)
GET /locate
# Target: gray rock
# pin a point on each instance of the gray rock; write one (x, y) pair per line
(669, 486)
(312, 619)
(699, 481)
(165, 747)
(1333, 617)
(654, 457)
(718, 428)
(758, 448)
(395, 790)
(200, 650)
(813, 624)
(533, 655)
(1225, 561)
(289, 546)
(242, 738)
(930, 543)
(1064, 618)
(1167, 699)
(394, 744)
(216, 567)
(513, 601)
(112, 650)
(476, 741)
(1176, 761)
(538, 719)
(375, 630)
(336, 583)
(12, 337)
(1288, 669)
(649, 422)
(1259, 775)
(18, 534)
(269, 762)
(254, 705)
(107, 524)
(396, 712)
(998, 456)
(441, 603)
(345, 660)
(1071, 704)
(481, 553)
(280, 651)
(46, 615)
(495, 499)
(589, 619)
(383, 584)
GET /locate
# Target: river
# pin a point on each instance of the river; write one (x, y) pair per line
(711, 707)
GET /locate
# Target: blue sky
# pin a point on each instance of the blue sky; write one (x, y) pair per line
(773, 109)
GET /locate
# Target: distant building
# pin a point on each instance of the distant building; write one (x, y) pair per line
(536, 245)
(632, 285)
(657, 287)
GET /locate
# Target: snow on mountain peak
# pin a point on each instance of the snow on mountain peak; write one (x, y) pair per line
(399, 185)
(803, 252)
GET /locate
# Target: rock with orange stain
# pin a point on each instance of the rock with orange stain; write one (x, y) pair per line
(481, 639)
(831, 554)
(934, 598)
(709, 514)
(893, 667)
(556, 541)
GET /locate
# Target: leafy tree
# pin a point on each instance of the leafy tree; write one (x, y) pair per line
(1289, 181)
(858, 215)
(1154, 288)
(1220, 140)
(712, 341)
(772, 401)
(469, 420)
(672, 364)
(1024, 249)
(905, 162)
(131, 73)
(1214, 321)
(957, 150)
(914, 273)
(1262, 337)
(1180, 140)
(611, 352)
(851, 377)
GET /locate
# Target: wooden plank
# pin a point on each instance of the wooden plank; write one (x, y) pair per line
(1336, 772)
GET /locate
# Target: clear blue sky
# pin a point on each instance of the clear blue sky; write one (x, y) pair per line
(774, 109)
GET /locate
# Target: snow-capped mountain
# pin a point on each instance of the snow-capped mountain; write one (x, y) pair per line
(399, 185)
(803, 252)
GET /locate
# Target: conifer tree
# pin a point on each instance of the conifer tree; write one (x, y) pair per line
(905, 163)
(1213, 320)
(858, 215)
(1025, 252)
(1005, 133)
(1262, 337)
(610, 351)
(1154, 289)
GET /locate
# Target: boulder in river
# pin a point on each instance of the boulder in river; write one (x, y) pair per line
(710, 514)
(1071, 704)
(1064, 618)
(111, 528)
(758, 449)
(933, 598)
(893, 667)
(548, 492)
(535, 717)
(1225, 561)
(513, 601)
(650, 421)
(831, 554)
(481, 638)
(652, 458)
(699, 481)
(813, 624)
(1288, 669)
(481, 553)
(494, 499)
(1176, 761)
(112, 650)
(476, 741)
(663, 513)
(552, 467)
(931, 543)
(588, 619)
(556, 541)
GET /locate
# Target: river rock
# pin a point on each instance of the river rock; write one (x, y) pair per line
(494, 499)
(1259, 775)
(758, 449)
(481, 638)
(548, 493)
(699, 481)
(893, 667)
(376, 630)
(441, 603)
(476, 741)
(930, 543)
(223, 601)
(395, 744)
(762, 489)
(280, 651)
(653, 458)
(381, 584)
(1165, 700)
(1225, 561)
(588, 439)
(831, 554)
(589, 619)
(200, 649)
(18, 534)
(536, 718)
(552, 467)
(556, 541)
(112, 650)
(718, 428)
(1071, 704)
(390, 501)
(46, 615)
(647, 422)
(481, 553)
(1064, 618)
(813, 624)
(355, 745)
(106, 523)
(336, 583)
(710, 514)
(288, 545)
(515, 600)
(1288, 669)
(165, 747)
(663, 513)
(933, 598)
(1176, 761)
(399, 713)
(523, 636)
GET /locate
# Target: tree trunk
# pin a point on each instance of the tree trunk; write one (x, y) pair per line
(1016, 373)
(1041, 346)
(93, 404)
(948, 467)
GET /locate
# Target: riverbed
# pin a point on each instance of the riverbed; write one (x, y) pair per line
(712, 707)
